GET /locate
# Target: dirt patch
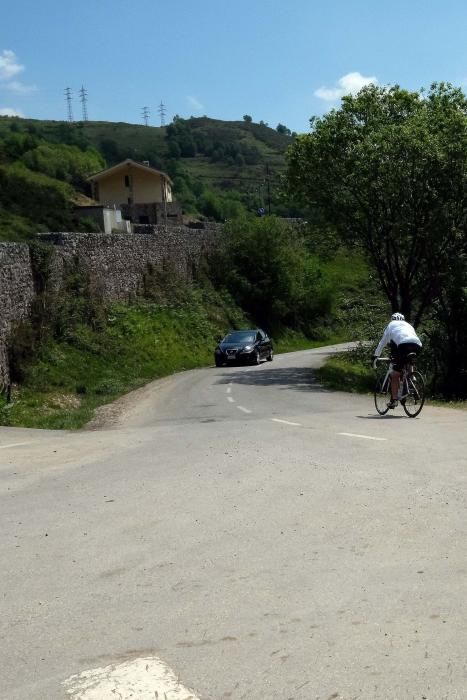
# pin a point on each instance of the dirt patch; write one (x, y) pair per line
(63, 402)
(111, 415)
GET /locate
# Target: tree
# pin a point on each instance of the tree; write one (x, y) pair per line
(266, 267)
(247, 118)
(64, 162)
(111, 151)
(282, 129)
(389, 171)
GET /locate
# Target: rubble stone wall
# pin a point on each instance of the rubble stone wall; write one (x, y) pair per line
(16, 294)
(115, 263)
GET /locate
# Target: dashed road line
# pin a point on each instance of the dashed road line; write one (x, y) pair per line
(363, 437)
(287, 422)
(245, 410)
(229, 398)
(229, 389)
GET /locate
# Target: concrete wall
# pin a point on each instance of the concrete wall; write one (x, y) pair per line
(108, 219)
(144, 187)
(154, 213)
(115, 263)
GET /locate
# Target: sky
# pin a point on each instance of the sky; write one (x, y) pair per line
(278, 61)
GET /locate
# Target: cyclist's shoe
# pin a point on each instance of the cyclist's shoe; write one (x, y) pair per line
(393, 403)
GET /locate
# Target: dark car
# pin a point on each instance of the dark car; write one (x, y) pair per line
(250, 346)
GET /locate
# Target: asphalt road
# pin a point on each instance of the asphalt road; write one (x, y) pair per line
(236, 533)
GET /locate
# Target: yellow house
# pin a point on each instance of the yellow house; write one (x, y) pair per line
(143, 193)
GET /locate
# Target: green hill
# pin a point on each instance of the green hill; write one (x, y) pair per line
(219, 168)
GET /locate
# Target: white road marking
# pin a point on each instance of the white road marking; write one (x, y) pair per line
(229, 398)
(229, 389)
(14, 444)
(145, 678)
(242, 408)
(363, 437)
(286, 422)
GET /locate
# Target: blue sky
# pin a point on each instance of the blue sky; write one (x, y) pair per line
(277, 61)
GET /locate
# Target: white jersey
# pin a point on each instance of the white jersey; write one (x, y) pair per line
(399, 332)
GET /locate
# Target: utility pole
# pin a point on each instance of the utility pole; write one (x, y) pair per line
(145, 115)
(162, 113)
(84, 99)
(68, 98)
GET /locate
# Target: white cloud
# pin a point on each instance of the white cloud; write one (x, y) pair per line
(195, 103)
(10, 112)
(349, 84)
(18, 87)
(9, 66)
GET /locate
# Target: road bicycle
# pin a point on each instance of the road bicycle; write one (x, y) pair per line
(411, 389)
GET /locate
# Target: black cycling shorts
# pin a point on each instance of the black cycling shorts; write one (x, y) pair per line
(401, 352)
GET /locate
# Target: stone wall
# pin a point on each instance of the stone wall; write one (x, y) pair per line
(115, 263)
(16, 294)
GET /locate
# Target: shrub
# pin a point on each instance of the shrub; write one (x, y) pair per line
(269, 271)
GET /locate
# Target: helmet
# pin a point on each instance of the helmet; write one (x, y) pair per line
(398, 317)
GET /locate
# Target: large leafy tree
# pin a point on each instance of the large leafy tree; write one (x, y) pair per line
(389, 171)
(267, 268)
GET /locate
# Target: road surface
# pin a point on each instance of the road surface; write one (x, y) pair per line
(236, 533)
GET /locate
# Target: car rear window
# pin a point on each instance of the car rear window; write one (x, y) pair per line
(240, 337)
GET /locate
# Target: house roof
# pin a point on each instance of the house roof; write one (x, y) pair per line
(126, 163)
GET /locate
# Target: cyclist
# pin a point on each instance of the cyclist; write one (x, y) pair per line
(403, 341)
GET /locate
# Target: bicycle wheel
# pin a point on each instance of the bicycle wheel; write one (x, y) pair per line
(382, 395)
(413, 402)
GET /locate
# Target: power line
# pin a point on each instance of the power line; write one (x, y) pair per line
(69, 98)
(162, 113)
(145, 114)
(84, 99)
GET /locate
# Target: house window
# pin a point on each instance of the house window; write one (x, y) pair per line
(127, 180)
(130, 200)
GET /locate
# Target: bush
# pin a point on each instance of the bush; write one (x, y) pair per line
(47, 201)
(269, 271)
(67, 163)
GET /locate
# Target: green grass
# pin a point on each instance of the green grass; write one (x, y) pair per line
(86, 368)
(139, 343)
(342, 374)
(292, 342)
(72, 377)
(16, 228)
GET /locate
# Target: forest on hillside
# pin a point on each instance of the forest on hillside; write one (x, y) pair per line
(220, 170)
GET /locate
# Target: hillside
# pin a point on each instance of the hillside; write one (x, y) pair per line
(219, 168)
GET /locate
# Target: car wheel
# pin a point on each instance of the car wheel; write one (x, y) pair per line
(257, 358)
(270, 356)
(218, 362)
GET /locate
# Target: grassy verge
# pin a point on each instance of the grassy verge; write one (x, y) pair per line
(72, 377)
(343, 374)
(138, 343)
(90, 356)
(292, 342)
